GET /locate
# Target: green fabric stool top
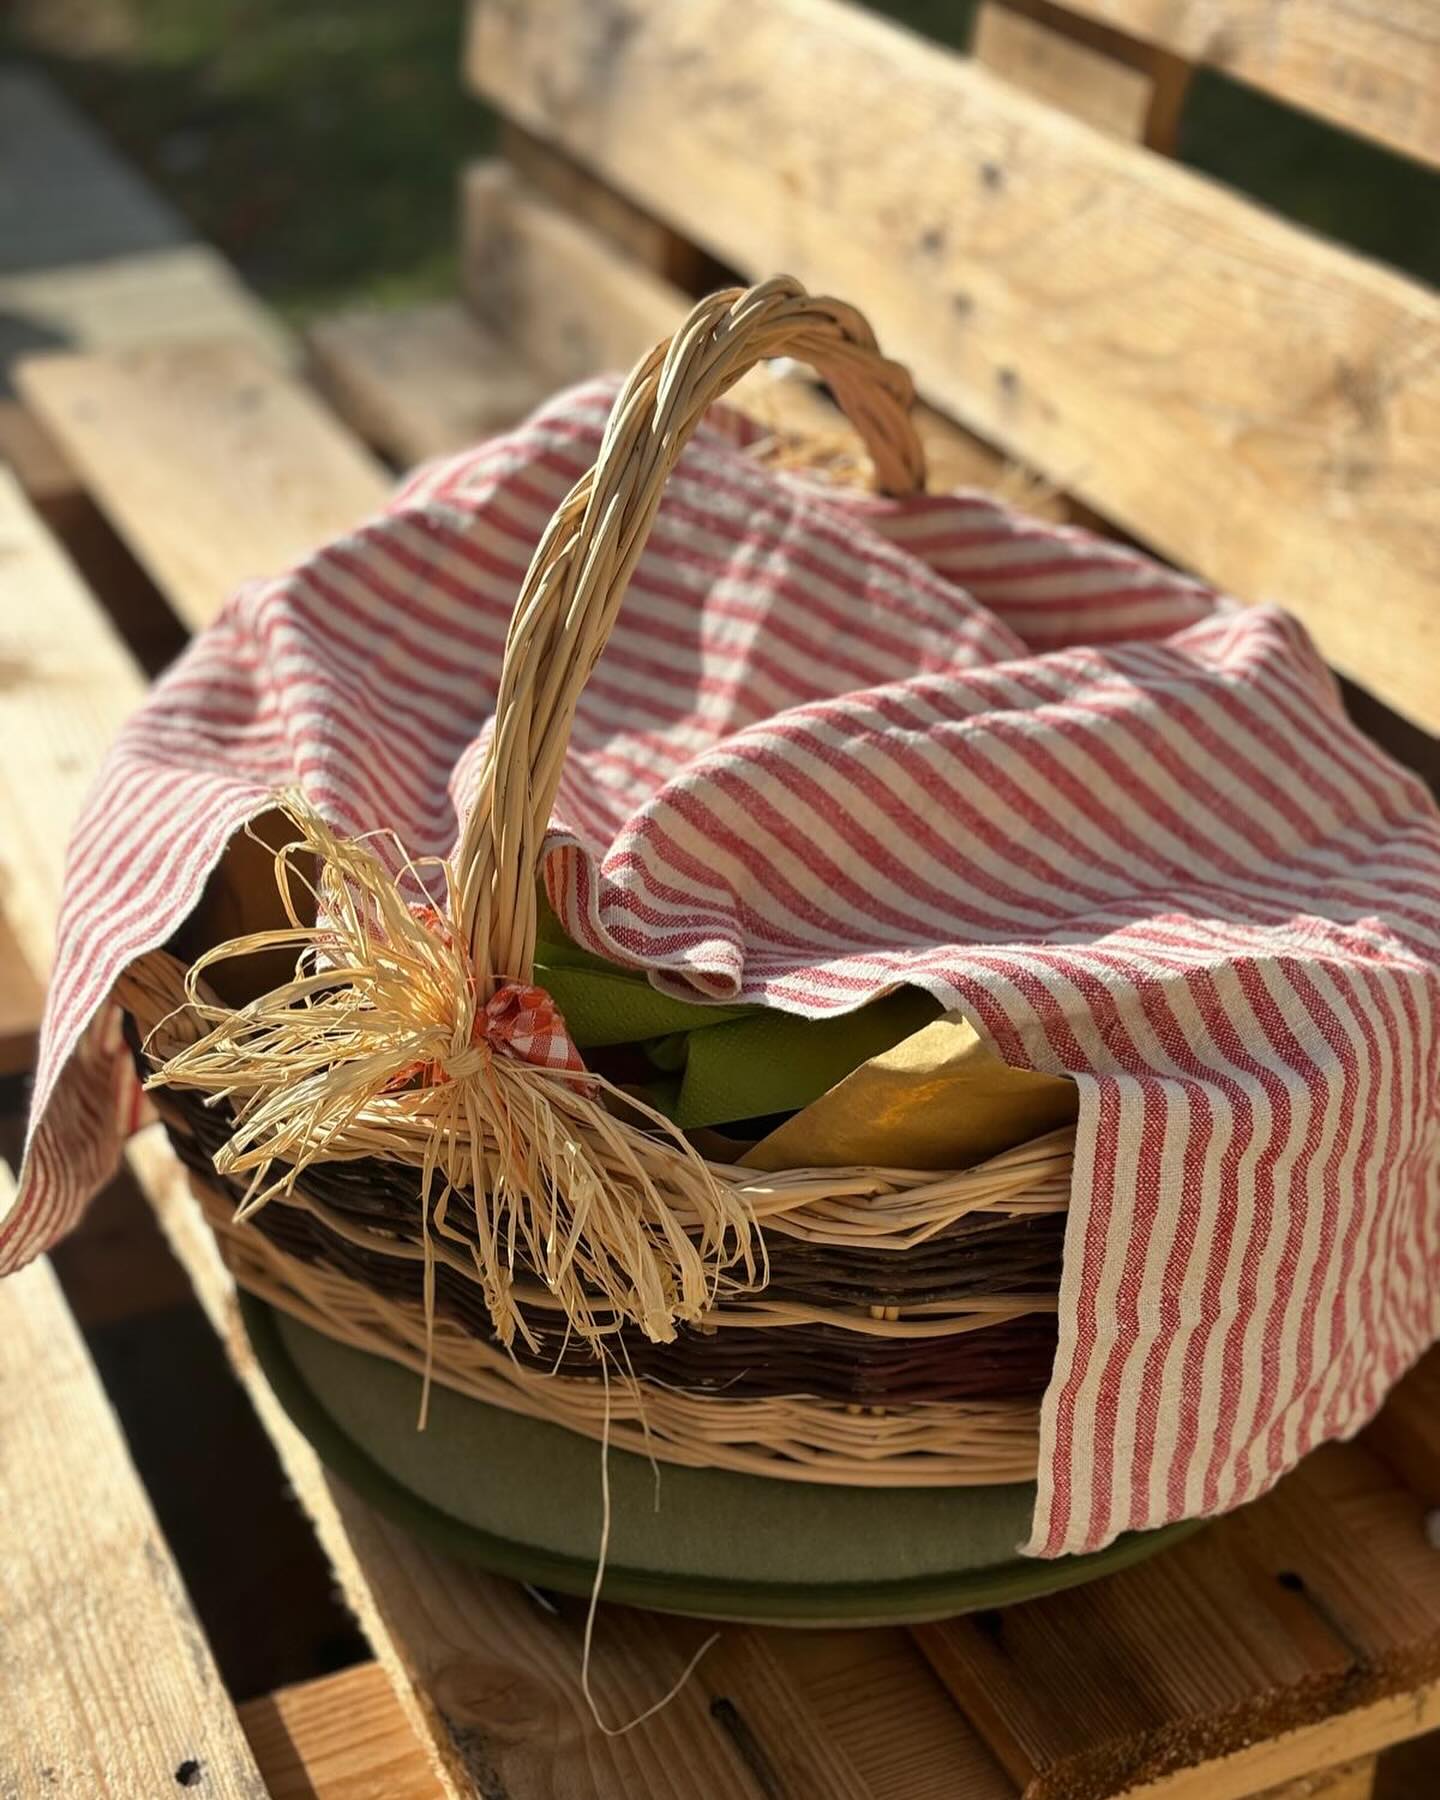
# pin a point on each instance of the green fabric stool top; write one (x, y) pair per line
(522, 1497)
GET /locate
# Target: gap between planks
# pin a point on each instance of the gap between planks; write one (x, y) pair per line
(1372, 68)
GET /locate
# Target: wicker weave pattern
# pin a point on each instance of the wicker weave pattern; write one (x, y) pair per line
(906, 1323)
(794, 1438)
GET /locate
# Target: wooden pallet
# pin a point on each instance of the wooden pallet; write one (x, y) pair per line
(1284, 1647)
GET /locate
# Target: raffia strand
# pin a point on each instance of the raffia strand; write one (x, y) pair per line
(372, 1049)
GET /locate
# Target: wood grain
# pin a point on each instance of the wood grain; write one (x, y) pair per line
(1405, 1435)
(21, 1002)
(1256, 404)
(1314, 1600)
(1031, 55)
(488, 1677)
(639, 236)
(213, 465)
(574, 306)
(342, 1737)
(1292, 1758)
(1370, 65)
(108, 1683)
(1350, 1781)
(424, 380)
(66, 683)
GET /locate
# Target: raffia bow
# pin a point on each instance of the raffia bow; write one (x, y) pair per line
(616, 1215)
(382, 1045)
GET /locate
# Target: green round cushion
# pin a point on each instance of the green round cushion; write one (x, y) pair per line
(522, 1497)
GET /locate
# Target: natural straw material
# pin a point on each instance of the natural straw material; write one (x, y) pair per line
(391, 1153)
(381, 1044)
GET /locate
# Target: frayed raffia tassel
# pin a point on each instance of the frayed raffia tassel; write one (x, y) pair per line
(384, 1045)
(385, 1042)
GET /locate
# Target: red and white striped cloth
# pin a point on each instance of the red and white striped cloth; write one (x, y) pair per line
(839, 743)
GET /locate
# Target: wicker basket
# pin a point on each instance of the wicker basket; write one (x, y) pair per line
(904, 1326)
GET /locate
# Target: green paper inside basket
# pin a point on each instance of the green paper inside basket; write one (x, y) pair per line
(522, 1497)
(717, 1065)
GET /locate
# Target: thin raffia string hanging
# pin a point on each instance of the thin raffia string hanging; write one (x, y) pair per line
(416, 1035)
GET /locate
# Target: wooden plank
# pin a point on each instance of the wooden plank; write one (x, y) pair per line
(422, 381)
(879, 1699)
(342, 1737)
(1406, 1435)
(1257, 404)
(90, 254)
(1351, 1781)
(638, 235)
(565, 299)
(1032, 56)
(1292, 1756)
(573, 306)
(66, 683)
(1370, 65)
(1321, 1596)
(109, 1686)
(22, 1002)
(39, 467)
(213, 465)
(488, 1677)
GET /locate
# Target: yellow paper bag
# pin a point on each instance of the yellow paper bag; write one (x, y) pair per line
(938, 1100)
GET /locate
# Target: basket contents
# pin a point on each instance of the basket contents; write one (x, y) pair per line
(863, 988)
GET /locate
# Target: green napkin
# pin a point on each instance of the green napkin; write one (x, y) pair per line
(716, 1065)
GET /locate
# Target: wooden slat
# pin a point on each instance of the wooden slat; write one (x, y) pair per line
(1257, 404)
(573, 306)
(643, 239)
(1321, 1596)
(489, 1677)
(1370, 65)
(420, 381)
(1291, 1758)
(66, 683)
(552, 287)
(1406, 1435)
(109, 1687)
(342, 1737)
(89, 253)
(877, 1696)
(214, 465)
(21, 1002)
(1091, 87)
(1351, 1781)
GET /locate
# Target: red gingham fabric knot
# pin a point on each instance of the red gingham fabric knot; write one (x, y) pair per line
(519, 1019)
(524, 1022)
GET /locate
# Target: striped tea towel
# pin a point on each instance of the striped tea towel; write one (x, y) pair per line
(841, 743)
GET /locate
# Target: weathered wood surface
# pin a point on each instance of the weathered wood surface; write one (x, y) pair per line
(1082, 81)
(1372, 66)
(552, 286)
(419, 381)
(108, 1685)
(213, 464)
(1294, 1611)
(89, 253)
(1259, 405)
(22, 1003)
(66, 683)
(342, 1737)
(490, 1678)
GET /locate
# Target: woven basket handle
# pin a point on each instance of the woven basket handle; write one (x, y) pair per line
(583, 564)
